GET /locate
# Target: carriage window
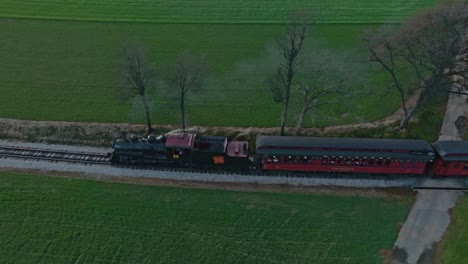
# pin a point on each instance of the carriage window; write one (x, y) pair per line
(364, 161)
(332, 161)
(356, 162)
(465, 166)
(372, 161)
(387, 162)
(348, 161)
(289, 159)
(273, 159)
(456, 165)
(324, 161)
(340, 161)
(305, 159)
(379, 161)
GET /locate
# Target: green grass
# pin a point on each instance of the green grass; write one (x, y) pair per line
(213, 11)
(69, 70)
(452, 249)
(430, 119)
(56, 220)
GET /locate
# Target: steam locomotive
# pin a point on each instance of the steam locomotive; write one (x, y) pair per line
(182, 150)
(289, 153)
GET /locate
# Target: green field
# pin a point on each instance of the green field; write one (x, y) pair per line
(70, 70)
(452, 249)
(57, 220)
(213, 11)
(61, 70)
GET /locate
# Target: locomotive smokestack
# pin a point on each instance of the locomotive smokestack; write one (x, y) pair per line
(123, 134)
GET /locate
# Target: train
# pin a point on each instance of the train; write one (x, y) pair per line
(368, 156)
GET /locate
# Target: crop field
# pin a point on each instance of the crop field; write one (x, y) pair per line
(70, 70)
(214, 11)
(60, 70)
(452, 249)
(56, 220)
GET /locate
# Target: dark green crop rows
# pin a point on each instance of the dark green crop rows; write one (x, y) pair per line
(56, 220)
(213, 11)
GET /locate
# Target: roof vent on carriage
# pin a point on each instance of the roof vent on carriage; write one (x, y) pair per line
(180, 140)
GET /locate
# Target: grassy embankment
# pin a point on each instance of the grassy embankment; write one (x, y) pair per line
(452, 249)
(69, 70)
(57, 220)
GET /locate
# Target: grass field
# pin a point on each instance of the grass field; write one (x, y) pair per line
(56, 220)
(452, 249)
(69, 70)
(60, 70)
(213, 11)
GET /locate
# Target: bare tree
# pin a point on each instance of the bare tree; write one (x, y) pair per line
(140, 77)
(384, 51)
(323, 84)
(187, 76)
(434, 42)
(281, 82)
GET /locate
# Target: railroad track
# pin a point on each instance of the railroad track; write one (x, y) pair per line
(53, 155)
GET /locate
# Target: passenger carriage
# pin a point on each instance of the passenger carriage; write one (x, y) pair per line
(352, 155)
(451, 158)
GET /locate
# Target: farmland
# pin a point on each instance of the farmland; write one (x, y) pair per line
(68, 69)
(44, 220)
(213, 11)
(73, 76)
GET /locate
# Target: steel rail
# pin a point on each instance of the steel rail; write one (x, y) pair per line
(53, 155)
(439, 188)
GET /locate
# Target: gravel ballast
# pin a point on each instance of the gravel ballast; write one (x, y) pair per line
(108, 170)
(86, 149)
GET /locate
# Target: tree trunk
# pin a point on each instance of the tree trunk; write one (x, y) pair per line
(403, 103)
(400, 90)
(148, 118)
(300, 121)
(182, 111)
(407, 118)
(283, 117)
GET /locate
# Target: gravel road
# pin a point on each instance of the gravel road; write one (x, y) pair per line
(424, 226)
(430, 216)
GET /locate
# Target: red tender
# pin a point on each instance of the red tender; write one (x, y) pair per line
(180, 140)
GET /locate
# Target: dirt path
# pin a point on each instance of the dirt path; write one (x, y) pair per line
(101, 134)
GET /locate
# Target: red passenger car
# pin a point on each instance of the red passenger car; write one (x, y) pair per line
(361, 155)
(451, 158)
